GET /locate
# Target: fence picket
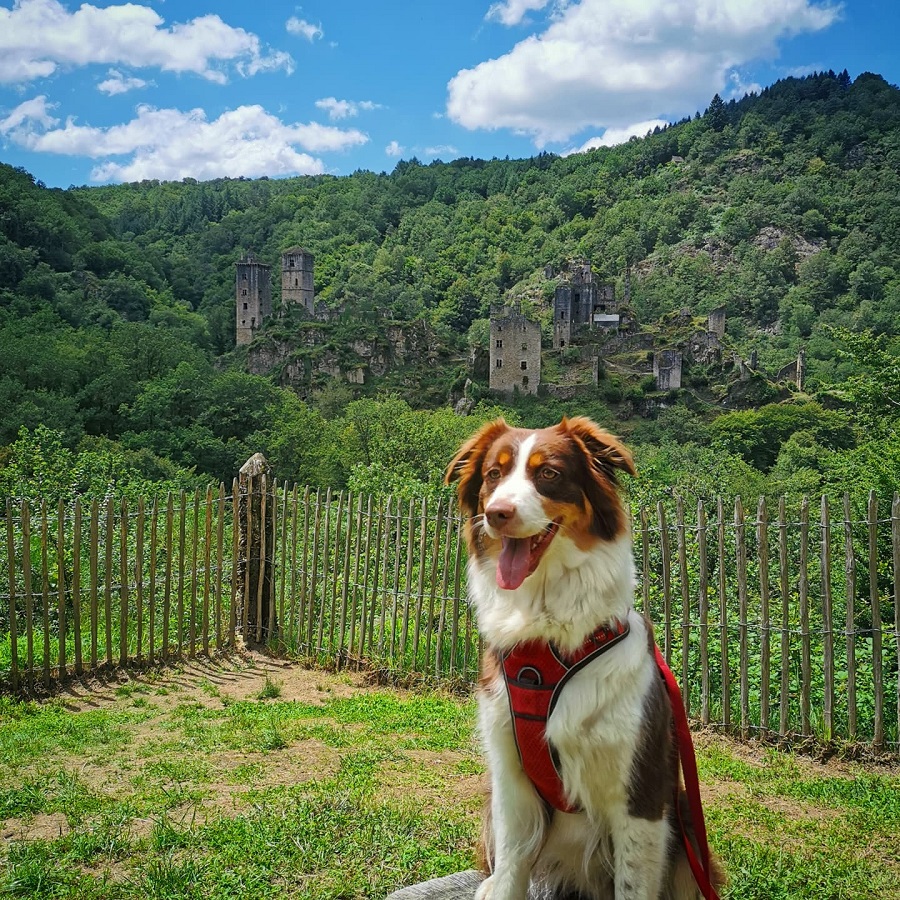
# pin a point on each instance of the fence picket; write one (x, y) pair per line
(875, 605)
(76, 585)
(311, 598)
(685, 605)
(454, 628)
(139, 579)
(151, 605)
(235, 560)
(382, 624)
(167, 587)
(357, 549)
(108, 579)
(398, 544)
(850, 582)
(207, 572)
(703, 589)
(404, 633)
(376, 581)
(420, 592)
(784, 703)
(11, 569)
(220, 564)
(723, 618)
(367, 565)
(45, 594)
(325, 555)
(895, 553)
(741, 560)
(61, 586)
(182, 552)
(445, 580)
(259, 588)
(294, 518)
(435, 557)
(805, 658)
(645, 560)
(123, 583)
(94, 589)
(335, 581)
(762, 548)
(827, 623)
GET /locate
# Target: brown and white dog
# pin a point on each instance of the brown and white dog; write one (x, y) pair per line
(550, 564)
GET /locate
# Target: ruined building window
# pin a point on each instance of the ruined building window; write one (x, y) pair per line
(499, 364)
(291, 262)
(245, 306)
(524, 346)
(253, 322)
(524, 364)
(498, 344)
(244, 292)
(524, 381)
(296, 282)
(244, 276)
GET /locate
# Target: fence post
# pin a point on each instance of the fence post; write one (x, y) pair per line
(255, 570)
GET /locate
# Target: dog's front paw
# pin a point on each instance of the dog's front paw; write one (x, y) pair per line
(485, 889)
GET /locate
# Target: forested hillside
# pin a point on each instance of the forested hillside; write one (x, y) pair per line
(117, 303)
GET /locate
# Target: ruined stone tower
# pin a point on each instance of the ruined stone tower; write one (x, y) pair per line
(581, 301)
(297, 279)
(515, 352)
(253, 296)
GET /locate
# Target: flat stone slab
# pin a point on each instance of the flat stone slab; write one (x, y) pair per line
(459, 886)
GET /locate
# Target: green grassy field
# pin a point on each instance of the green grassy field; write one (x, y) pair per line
(252, 780)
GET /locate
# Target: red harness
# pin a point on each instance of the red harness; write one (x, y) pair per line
(535, 673)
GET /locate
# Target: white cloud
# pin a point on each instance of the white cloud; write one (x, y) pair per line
(39, 36)
(173, 144)
(394, 149)
(26, 116)
(511, 12)
(737, 87)
(442, 150)
(613, 136)
(343, 109)
(606, 63)
(305, 29)
(118, 83)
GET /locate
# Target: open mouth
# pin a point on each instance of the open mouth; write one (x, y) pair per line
(519, 557)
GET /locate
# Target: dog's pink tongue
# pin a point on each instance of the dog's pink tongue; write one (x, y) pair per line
(514, 562)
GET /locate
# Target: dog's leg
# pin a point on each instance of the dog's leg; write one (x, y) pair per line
(641, 849)
(518, 817)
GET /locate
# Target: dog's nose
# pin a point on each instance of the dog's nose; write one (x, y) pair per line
(500, 514)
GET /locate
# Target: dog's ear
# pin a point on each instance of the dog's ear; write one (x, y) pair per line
(607, 453)
(466, 465)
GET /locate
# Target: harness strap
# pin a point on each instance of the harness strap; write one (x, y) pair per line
(535, 673)
(684, 748)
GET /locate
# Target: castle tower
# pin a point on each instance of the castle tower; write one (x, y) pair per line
(581, 301)
(515, 352)
(253, 296)
(297, 279)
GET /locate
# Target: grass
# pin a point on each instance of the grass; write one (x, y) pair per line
(232, 785)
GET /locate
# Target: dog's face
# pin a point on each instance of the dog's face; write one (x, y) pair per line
(523, 488)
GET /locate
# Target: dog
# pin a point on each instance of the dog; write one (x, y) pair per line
(584, 806)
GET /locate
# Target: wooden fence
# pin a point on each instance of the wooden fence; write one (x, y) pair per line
(782, 622)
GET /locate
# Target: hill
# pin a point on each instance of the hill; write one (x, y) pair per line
(117, 303)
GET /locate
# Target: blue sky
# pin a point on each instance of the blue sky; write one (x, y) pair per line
(115, 91)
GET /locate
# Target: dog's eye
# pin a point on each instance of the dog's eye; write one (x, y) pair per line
(548, 474)
(493, 474)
